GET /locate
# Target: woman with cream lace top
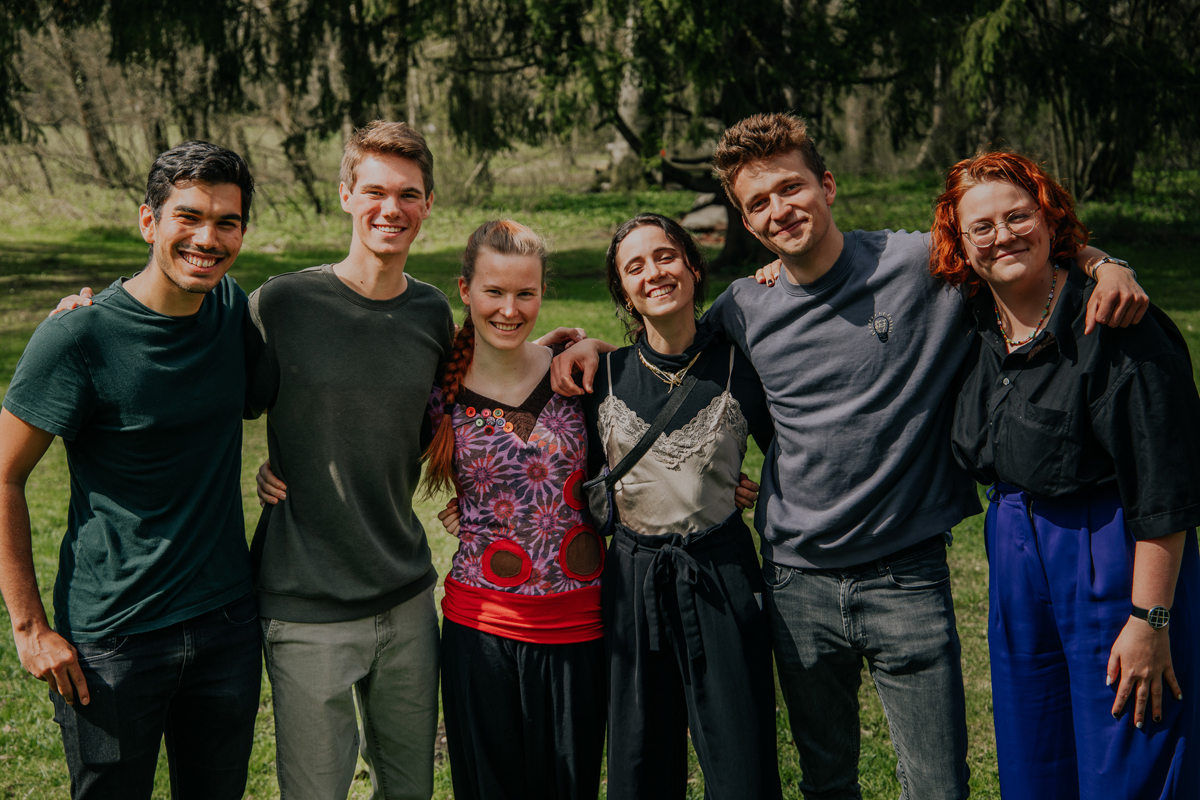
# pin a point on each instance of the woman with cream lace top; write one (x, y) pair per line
(685, 633)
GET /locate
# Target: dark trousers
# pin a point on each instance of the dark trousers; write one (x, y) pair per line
(689, 649)
(196, 683)
(524, 721)
(897, 614)
(1059, 589)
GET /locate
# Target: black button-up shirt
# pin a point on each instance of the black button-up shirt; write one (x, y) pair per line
(1071, 413)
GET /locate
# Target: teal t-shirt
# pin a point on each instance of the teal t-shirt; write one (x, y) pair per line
(149, 408)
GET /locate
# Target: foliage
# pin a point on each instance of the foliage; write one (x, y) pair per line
(1115, 75)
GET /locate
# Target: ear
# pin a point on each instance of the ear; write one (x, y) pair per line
(146, 223)
(344, 194)
(428, 206)
(830, 187)
(464, 291)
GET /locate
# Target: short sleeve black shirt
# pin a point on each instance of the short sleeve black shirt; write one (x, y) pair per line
(1072, 413)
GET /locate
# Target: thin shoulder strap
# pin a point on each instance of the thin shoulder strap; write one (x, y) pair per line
(608, 362)
(729, 380)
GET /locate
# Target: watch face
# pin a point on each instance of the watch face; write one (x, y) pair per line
(1158, 617)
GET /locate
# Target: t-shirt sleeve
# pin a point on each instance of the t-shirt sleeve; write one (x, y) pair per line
(262, 368)
(1150, 425)
(52, 388)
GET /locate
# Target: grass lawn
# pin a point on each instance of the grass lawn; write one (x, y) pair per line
(44, 257)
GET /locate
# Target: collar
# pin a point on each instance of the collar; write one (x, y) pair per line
(1059, 331)
(835, 275)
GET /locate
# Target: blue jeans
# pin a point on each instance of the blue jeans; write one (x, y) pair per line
(897, 613)
(196, 683)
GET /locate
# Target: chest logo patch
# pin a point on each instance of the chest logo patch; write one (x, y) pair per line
(880, 326)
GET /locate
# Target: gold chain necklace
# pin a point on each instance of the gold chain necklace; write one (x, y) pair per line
(671, 379)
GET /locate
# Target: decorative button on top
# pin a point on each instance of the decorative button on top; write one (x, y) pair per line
(485, 413)
(470, 411)
(478, 423)
(499, 412)
(1007, 381)
(488, 431)
(508, 427)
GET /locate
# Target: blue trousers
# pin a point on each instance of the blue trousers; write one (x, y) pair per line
(1061, 574)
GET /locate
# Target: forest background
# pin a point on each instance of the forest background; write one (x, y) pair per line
(571, 115)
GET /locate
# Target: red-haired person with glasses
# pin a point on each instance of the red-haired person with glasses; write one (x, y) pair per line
(1090, 445)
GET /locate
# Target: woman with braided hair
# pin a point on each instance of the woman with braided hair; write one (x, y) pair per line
(523, 670)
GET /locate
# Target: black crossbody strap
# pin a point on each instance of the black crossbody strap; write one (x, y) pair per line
(674, 401)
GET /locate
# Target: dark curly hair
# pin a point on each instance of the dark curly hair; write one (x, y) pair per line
(692, 254)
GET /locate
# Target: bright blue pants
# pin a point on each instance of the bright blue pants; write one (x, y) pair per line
(1061, 573)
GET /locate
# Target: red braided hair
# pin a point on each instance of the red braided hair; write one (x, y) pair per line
(505, 237)
(439, 469)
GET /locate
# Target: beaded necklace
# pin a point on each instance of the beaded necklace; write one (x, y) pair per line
(1045, 313)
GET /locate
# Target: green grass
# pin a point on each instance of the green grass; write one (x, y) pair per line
(45, 256)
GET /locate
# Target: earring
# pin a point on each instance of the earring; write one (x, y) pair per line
(628, 306)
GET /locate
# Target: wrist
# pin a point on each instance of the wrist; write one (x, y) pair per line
(1094, 266)
(1157, 617)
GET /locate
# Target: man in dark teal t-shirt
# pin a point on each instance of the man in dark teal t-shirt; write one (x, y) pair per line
(155, 626)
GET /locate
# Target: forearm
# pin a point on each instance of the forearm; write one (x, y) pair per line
(1155, 570)
(18, 580)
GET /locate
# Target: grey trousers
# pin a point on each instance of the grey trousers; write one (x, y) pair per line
(387, 665)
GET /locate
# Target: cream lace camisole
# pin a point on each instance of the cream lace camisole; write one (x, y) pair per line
(686, 481)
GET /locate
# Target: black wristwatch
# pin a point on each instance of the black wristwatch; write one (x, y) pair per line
(1158, 617)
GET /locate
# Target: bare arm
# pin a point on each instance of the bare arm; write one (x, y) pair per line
(1118, 300)
(563, 336)
(583, 357)
(1141, 656)
(46, 655)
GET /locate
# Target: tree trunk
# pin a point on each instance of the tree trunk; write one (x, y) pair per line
(110, 168)
(296, 150)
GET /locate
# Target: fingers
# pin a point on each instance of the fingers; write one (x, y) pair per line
(746, 493)
(1124, 690)
(1141, 695)
(449, 517)
(268, 487)
(1098, 311)
(1172, 684)
(1156, 699)
(84, 298)
(78, 683)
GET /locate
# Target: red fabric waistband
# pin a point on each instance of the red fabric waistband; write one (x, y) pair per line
(560, 618)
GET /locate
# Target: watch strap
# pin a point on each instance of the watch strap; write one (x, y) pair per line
(1158, 616)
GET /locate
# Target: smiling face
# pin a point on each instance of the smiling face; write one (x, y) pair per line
(654, 274)
(784, 204)
(197, 235)
(387, 204)
(1011, 260)
(505, 295)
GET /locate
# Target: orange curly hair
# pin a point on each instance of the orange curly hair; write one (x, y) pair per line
(948, 259)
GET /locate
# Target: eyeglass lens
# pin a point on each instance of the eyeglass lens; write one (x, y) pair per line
(1019, 223)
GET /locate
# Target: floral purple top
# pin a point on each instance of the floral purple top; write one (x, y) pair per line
(522, 524)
